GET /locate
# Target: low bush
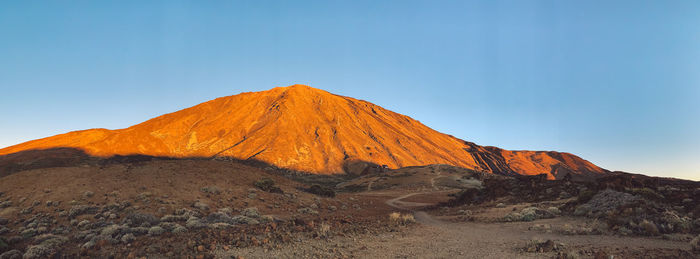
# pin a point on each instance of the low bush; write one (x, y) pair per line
(695, 244)
(649, 227)
(268, 185)
(321, 190)
(646, 193)
(210, 190)
(403, 219)
(586, 196)
(394, 216)
(324, 230)
(407, 218)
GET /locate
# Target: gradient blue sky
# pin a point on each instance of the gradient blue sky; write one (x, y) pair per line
(616, 82)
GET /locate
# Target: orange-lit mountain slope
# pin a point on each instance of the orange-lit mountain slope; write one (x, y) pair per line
(306, 129)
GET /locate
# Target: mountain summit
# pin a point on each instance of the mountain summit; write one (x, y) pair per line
(307, 129)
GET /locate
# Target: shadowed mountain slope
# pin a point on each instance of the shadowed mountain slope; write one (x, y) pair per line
(307, 129)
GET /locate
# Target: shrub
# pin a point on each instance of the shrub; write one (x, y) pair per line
(3, 244)
(586, 196)
(268, 185)
(210, 190)
(695, 243)
(251, 212)
(324, 230)
(48, 244)
(466, 196)
(321, 190)
(155, 231)
(394, 216)
(646, 193)
(404, 219)
(528, 214)
(554, 210)
(649, 227)
(407, 218)
(141, 219)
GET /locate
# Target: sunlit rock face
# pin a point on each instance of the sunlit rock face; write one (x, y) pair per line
(307, 129)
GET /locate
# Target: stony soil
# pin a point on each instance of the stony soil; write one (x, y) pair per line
(214, 209)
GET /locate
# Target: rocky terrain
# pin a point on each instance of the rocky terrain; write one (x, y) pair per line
(139, 207)
(162, 207)
(297, 172)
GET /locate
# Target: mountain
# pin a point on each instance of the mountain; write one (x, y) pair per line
(307, 129)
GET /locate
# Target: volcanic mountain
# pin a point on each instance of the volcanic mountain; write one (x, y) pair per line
(306, 129)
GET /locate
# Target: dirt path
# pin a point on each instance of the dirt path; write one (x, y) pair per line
(424, 218)
(434, 238)
(405, 205)
(432, 180)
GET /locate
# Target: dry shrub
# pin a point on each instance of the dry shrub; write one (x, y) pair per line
(324, 230)
(268, 185)
(695, 243)
(394, 216)
(404, 219)
(408, 218)
(649, 227)
(646, 193)
(321, 191)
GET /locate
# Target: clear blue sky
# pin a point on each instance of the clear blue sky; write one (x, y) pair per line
(616, 82)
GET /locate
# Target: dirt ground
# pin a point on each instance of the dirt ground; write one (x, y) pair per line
(433, 237)
(213, 209)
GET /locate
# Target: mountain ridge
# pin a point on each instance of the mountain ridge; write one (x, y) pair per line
(307, 129)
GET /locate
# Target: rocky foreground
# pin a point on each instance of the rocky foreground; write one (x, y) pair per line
(194, 209)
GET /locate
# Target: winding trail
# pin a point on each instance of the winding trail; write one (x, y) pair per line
(421, 217)
(434, 238)
(406, 205)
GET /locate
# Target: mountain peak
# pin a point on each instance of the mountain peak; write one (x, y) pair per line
(295, 89)
(299, 86)
(307, 129)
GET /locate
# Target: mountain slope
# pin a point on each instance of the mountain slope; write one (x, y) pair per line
(306, 129)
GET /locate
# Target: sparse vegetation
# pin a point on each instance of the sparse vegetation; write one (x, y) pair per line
(321, 191)
(695, 243)
(88, 194)
(407, 218)
(268, 185)
(324, 230)
(145, 216)
(394, 216)
(538, 246)
(586, 196)
(646, 193)
(354, 188)
(649, 227)
(210, 190)
(403, 219)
